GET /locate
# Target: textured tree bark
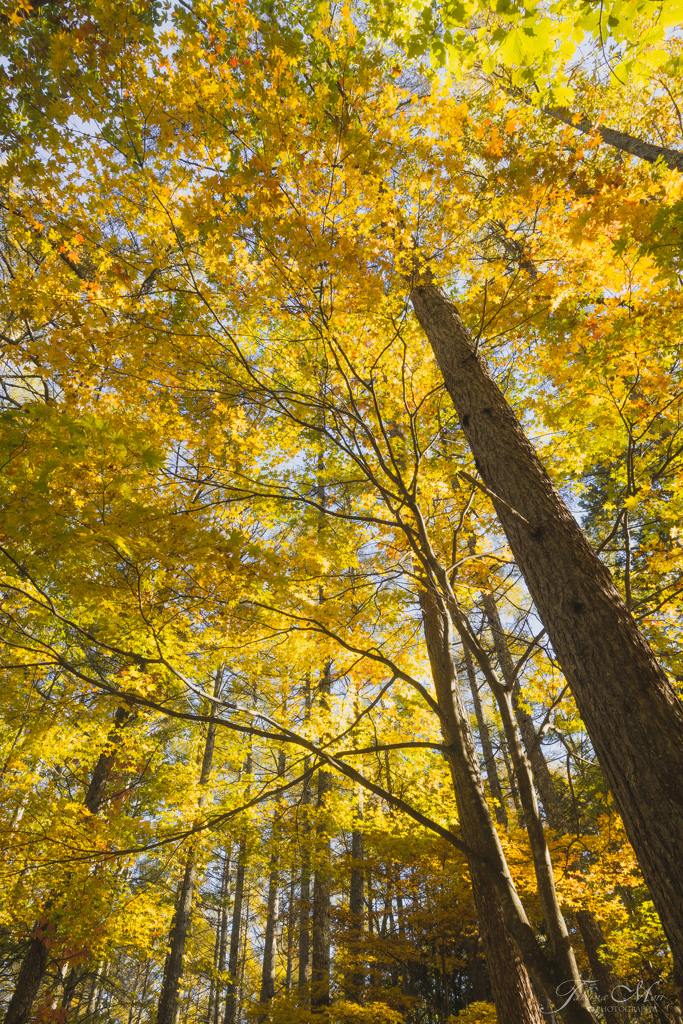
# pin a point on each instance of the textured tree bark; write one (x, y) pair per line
(630, 710)
(34, 964)
(545, 881)
(322, 882)
(510, 983)
(486, 746)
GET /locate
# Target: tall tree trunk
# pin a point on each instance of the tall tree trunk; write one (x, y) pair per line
(539, 765)
(322, 881)
(34, 964)
(511, 986)
(272, 919)
(512, 781)
(273, 908)
(236, 926)
(631, 712)
(167, 1011)
(486, 746)
(223, 934)
(504, 926)
(354, 981)
(290, 933)
(304, 968)
(590, 929)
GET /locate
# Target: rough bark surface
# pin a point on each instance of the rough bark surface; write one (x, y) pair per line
(630, 709)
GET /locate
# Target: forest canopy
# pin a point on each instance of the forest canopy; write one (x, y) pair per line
(341, 417)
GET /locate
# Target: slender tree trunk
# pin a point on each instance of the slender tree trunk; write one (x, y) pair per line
(631, 712)
(273, 909)
(322, 881)
(606, 980)
(36, 958)
(504, 927)
(406, 987)
(290, 934)
(354, 982)
(512, 992)
(590, 929)
(223, 933)
(173, 969)
(539, 765)
(236, 927)
(512, 781)
(272, 919)
(304, 969)
(486, 746)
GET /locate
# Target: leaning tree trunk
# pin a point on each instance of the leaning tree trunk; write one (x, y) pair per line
(631, 712)
(173, 968)
(590, 929)
(510, 983)
(34, 964)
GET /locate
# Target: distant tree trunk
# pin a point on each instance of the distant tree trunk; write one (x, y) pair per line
(512, 781)
(272, 919)
(630, 709)
(606, 980)
(305, 884)
(223, 934)
(290, 934)
(34, 964)
(322, 881)
(539, 765)
(173, 969)
(512, 991)
(273, 908)
(354, 981)
(486, 746)
(236, 927)
(504, 926)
